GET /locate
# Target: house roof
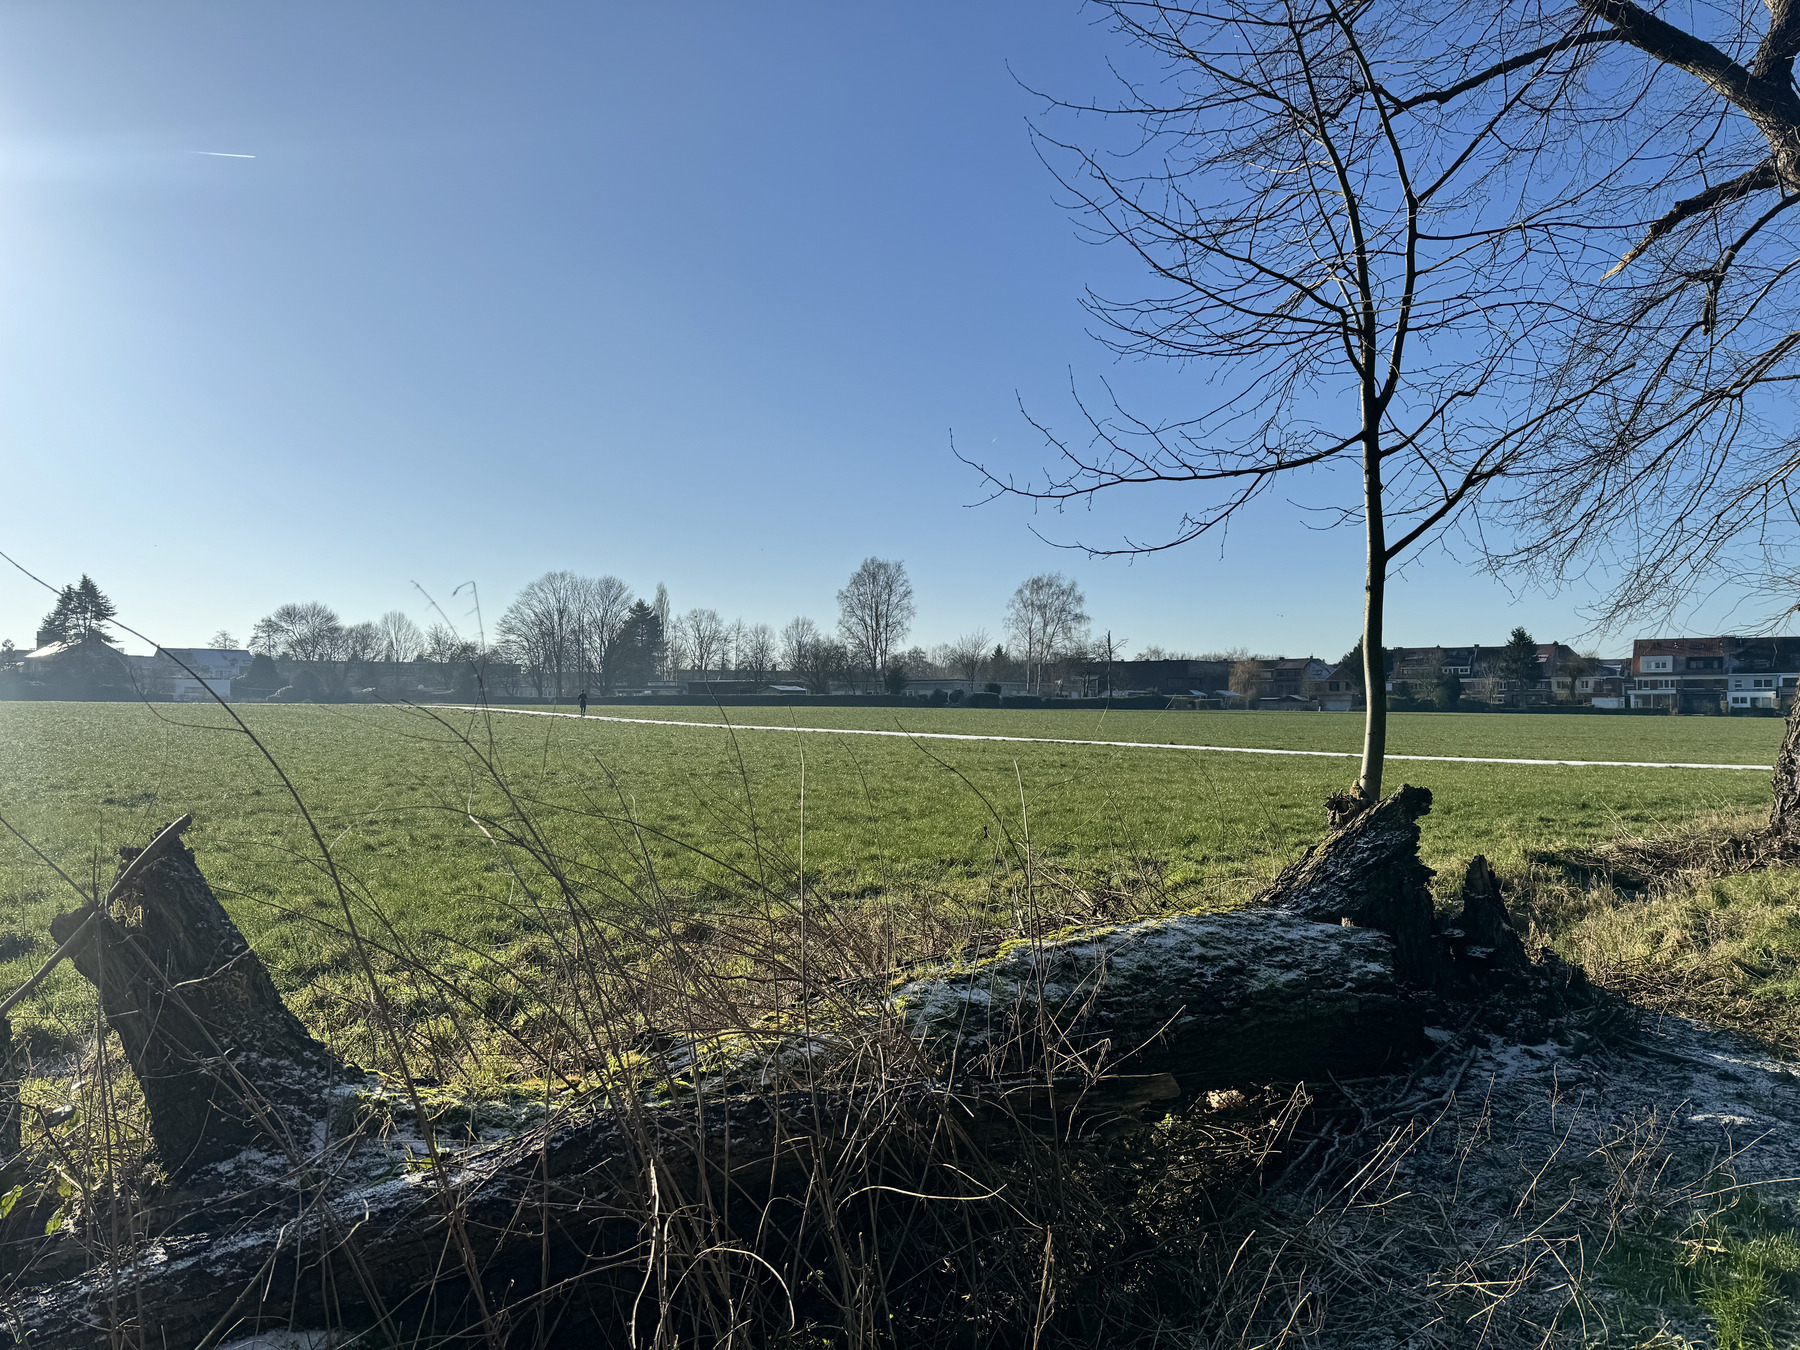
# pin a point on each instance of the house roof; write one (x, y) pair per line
(236, 653)
(51, 649)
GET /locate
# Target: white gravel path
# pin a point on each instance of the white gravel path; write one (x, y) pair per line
(1124, 745)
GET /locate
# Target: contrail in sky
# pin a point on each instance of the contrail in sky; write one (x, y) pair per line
(220, 154)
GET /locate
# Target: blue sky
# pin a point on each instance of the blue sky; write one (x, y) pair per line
(692, 294)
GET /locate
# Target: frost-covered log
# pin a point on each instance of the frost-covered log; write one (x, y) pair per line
(1217, 1000)
(1170, 1006)
(404, 1252)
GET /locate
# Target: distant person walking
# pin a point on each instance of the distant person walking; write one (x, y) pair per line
(584, 703)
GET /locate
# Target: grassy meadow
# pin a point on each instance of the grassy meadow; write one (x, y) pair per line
(699, 816)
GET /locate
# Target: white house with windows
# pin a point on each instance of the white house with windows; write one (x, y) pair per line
(1757, 691)
(1715, 674)
(190, 674)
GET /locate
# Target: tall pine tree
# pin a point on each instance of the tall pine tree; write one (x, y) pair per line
(81, 611)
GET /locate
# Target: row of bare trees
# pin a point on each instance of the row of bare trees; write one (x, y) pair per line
(564, 629)
(567, 633)
(312, 631)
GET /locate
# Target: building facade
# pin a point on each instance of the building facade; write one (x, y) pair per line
(1714, 674)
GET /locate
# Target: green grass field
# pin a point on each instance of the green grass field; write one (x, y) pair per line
(392, 790)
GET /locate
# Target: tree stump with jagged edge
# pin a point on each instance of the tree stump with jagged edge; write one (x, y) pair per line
(223, 1063)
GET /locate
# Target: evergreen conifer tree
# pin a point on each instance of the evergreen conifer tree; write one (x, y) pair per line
(93, 609)
(1519, 662)
(81, 611)
(634, 657)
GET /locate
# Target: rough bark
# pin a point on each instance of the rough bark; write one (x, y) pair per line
(1179, 1005)
(1216, 1000)
(1085, 1028)
(1784, 808)
(1368, 874)
(223, 1063)
(1483, 935)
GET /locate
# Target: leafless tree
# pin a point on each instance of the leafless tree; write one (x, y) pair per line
(1687, 137)
(602, 604)
(445, 646)
(756, 652)
(310, 631)
(875, 612)
(798, 636)
(823, 663)
(359, 642)
(222, 641)
(1045, 620)
(965, 655)
(917, 663)
(541, 630)
(1108, 652)
(702, 637)
(1247, 679)
(399, 637)
(1362, 285)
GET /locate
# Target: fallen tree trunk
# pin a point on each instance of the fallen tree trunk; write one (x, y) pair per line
(1058, 1033)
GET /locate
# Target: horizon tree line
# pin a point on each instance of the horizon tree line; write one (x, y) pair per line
(569, 633)
(565, 633)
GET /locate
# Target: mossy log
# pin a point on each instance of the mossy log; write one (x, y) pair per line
(1111, 1019)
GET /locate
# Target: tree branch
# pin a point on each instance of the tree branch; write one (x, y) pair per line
(1506, 67)
(1770, 103)
(1774, 59)
(1763, 176)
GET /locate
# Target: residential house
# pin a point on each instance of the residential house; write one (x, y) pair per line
(1415, 671)
(1606, 685)
(1714, 674)
(1763, 673)
(89, 667)
(189, 674)
(1419, 672)
(1681, 674)
(1295, 677)
(1556, 666)
(1343, 687)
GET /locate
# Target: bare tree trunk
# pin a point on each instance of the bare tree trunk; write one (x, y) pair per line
(1368, 786)
(1368, 874)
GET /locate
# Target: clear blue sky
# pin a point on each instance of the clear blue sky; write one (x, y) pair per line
(692, 294)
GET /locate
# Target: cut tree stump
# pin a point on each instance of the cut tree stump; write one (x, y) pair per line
(1337, 971)
(223, 1063)
(1783, 833)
